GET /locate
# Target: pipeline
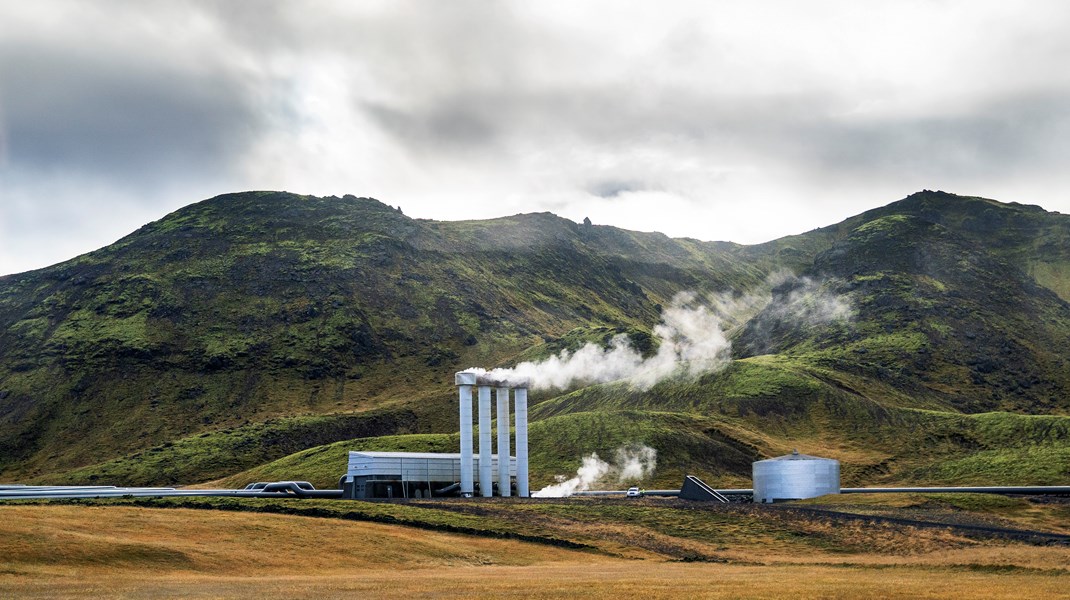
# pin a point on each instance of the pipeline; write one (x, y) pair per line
(449, 488)
(280, 489)
(302, 489)
(1026, 490)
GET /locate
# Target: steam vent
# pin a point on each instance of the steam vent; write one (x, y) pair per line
(465, 382)
(795, 477)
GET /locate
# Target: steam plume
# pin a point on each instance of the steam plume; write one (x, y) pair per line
(692, 336)
(692, 343)
(794, 303)
(632, 463)
(635, 462)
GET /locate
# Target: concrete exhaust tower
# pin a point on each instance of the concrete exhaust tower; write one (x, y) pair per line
(465, 382)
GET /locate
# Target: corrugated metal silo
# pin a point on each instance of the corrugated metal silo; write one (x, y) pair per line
(795, 477)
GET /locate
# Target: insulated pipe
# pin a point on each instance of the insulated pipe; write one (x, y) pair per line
(502, 416)
(465, 381)
(300, 490)
(521, 400)
(486, 471)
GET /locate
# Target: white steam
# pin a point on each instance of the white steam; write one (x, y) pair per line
(591, 471)
(795, 302)
(635, 462)
(632, 463)
(808, 301)
(692, 338)
(692, 343)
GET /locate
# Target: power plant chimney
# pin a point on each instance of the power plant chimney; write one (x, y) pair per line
(486, 471)
(465, 382)
(501, 414)
(521, 410)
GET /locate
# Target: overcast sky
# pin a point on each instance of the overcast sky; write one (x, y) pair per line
(740, 121)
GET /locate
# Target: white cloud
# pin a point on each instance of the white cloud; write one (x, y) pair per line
(716, 120)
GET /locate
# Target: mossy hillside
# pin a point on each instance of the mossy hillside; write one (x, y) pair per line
(910, 447)
(1029, 238)
(686, 444)
(639, 339)
(250, 306)
(775, 404)
(1047, 464)
(217, 454)
(324, 465)
(780, 395)
(983, 449)
(938, 318)
(104, 418)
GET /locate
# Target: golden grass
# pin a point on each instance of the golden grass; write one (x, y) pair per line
(610, 580)
(65, 551)
(61, 540)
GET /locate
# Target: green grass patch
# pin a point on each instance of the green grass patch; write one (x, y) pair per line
(214, 455)
(324, 465)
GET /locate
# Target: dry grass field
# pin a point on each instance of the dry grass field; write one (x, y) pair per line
(123, 551)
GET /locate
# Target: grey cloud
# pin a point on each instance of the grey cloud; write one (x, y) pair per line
(608, 115)
(1000, 138)
(568, 107)
(123, 117)
(447, 126)
(1016, 136)
(612, 188)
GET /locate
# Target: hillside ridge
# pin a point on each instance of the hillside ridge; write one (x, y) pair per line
(251, 307)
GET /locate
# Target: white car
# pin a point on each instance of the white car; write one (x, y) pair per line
(633, 492)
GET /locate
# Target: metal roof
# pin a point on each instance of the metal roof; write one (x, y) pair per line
(408, 454)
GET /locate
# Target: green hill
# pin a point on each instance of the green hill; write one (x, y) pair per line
(937, 316)
(251, 306)
(242, 329)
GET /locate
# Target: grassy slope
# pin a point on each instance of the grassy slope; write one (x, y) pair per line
(942, 325)
(122, 548)
(653, 528)
(219, 453)
(1028, 237)
(88, 535)
(251, 306)
(719, 438)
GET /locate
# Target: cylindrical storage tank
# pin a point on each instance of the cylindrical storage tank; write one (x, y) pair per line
(795, 477)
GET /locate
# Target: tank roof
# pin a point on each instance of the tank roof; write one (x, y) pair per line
(796, 456)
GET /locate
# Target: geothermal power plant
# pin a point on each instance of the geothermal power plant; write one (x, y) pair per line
(427, 475)
(495, 470)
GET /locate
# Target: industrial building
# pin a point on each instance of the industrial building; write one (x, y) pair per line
(413, 475)
(795, 477)
(429, 475)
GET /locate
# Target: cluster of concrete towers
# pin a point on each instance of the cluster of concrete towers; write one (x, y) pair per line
(465, 382)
